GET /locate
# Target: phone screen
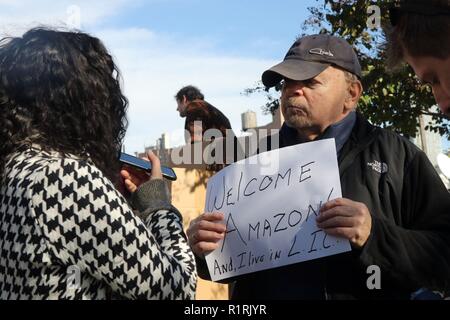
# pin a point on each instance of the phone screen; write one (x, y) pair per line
(133, 161)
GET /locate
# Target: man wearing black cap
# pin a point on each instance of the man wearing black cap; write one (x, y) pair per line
(395, 210)
(420, 35)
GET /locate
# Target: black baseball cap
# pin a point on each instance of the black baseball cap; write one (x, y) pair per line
(422, 7)
(309, 56)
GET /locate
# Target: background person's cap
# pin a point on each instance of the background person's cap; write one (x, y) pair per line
(311, 55)
(422, 7)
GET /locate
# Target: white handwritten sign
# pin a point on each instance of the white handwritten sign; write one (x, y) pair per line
(270, 218)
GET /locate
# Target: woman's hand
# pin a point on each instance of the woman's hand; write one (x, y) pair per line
(133, 178)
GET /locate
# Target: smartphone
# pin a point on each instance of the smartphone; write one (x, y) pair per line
(145, 165)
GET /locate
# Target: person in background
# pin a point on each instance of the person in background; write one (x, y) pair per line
(205, 123)
(192, 106)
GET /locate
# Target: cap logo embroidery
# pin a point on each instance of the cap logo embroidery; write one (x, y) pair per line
(321, 52)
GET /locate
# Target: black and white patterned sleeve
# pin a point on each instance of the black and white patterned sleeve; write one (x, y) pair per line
(88, 224)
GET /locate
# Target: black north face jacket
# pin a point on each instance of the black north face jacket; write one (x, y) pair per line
(410, 236)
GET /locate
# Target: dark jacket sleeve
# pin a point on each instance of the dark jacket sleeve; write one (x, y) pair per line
(418, 253)
(202, 268)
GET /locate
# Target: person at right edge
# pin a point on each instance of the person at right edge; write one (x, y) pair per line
(395, 210)
(420, 35)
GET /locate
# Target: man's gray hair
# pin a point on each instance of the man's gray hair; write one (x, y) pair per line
(350, 77)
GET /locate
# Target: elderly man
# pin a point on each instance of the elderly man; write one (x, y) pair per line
(395, 210)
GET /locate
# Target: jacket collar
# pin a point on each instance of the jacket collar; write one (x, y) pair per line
(363, 134)
(340, 131)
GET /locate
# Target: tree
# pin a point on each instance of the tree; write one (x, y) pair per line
(393, 100)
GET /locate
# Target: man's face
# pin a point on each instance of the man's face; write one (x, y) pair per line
(435, 72)
(312, 105)
(181, 106)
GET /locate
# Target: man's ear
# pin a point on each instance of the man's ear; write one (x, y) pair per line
(185, 100)
(354, 92)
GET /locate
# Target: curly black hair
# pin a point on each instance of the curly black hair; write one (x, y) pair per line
(61, 90)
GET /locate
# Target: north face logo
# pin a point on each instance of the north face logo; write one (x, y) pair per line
(378, 166)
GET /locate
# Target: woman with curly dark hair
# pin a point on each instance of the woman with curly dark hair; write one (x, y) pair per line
(65, 230)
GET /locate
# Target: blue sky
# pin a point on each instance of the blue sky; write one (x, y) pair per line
(240, 28)
(221, 46)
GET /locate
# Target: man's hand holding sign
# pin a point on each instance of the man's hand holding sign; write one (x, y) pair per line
(257, 221)
(346, 218)
(205, 232)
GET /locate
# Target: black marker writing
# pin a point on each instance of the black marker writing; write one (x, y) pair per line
(230, 218)
(305, 171)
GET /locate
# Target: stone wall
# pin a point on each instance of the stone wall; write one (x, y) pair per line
(188, 195)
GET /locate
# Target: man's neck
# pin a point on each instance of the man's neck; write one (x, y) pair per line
(311, 133)
(308, 135)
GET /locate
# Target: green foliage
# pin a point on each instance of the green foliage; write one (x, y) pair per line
(393, 100)
(271, 94)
